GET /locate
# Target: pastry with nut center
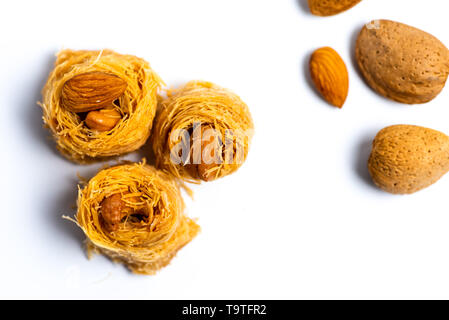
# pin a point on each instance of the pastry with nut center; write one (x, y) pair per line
(134, 214)
(99, 104)
(202, 132)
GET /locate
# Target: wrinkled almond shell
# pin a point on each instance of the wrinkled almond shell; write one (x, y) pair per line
(405, 158)
(401, 62)
(326, 8)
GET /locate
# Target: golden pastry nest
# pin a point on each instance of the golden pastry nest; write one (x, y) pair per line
(137, 105)
(210, 106)
(144, 243)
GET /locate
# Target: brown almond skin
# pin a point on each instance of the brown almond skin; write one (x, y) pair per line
(326, 8)
(91, 91)
(405, 158)
(330, 75)
(402, 63)
(113, 209)
(102, 120)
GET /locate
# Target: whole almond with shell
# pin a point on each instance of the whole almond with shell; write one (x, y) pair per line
(401, 62)
(330, 7)
(406, 158)
(330, 75)
(91, 91)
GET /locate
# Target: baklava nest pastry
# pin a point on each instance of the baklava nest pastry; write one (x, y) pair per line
(134, 214)
(202, 132)
(99, 104)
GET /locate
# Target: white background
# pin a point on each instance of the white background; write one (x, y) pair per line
(301, 218)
